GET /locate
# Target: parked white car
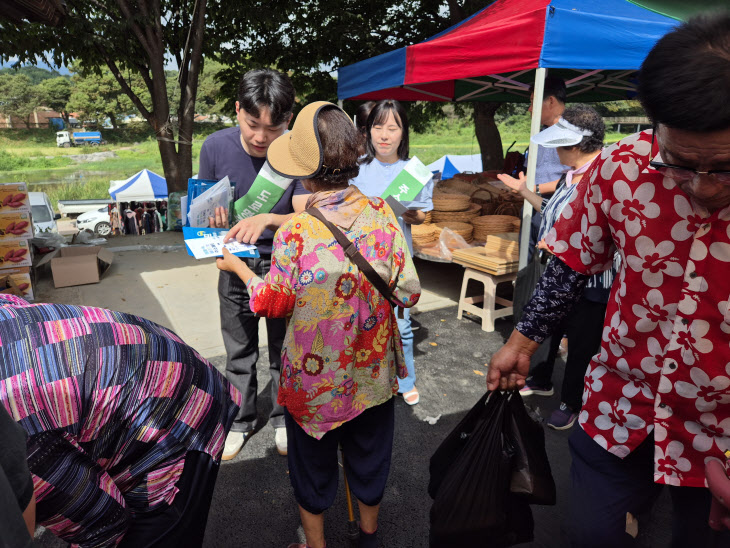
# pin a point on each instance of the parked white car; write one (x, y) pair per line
(96, 221)
(44, 220)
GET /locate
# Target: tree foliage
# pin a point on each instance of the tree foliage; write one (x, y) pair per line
(17, 96)
(311, 39)
(131, 37)
(36, 74)
(54, 94)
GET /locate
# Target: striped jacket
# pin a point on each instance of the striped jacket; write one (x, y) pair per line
(111, 403)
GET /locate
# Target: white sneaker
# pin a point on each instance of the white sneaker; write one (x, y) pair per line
(280, 440)
(234, 443)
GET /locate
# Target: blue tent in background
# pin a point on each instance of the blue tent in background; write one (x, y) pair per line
(449, 170)
(145, 186)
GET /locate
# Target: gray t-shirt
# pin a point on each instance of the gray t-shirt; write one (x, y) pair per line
(222, 154)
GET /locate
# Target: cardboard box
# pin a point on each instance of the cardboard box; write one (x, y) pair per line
(78, 265)
(14, 226)
(20, 277)
(15, 253)
(14, 198)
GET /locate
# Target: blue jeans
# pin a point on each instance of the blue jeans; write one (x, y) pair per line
(406, 335)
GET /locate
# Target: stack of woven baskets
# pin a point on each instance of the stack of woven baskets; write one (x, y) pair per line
(425, 235)
(494, 224)
(473, 206)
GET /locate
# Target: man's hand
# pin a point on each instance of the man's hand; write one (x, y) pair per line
(517, 185)
(719, 485)
(508, 368)
(220, 220)
(249, 230)
(414, 217)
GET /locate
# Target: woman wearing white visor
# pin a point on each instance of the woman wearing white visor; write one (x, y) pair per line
(578, 138)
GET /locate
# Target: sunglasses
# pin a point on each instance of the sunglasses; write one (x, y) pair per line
(682, 174)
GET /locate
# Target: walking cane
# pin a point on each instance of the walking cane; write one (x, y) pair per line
(353, 533)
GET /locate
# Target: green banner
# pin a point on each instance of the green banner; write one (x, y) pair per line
(409, 182)
(266, 190)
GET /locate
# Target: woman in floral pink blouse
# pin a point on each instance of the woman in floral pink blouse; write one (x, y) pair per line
(342, 352)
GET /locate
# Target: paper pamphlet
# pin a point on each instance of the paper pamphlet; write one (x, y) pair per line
(203, 243)
(184, 209)
(398, 208)
(409, 182)
(266, 190)
(202, 207)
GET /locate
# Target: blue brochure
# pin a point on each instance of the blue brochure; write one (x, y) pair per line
(203, 243)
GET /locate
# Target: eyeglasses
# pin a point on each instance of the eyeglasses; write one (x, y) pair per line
(682, 174)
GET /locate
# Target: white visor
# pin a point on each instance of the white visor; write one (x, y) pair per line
(561, 134)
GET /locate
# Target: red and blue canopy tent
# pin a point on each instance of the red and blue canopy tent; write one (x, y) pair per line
(500, 51)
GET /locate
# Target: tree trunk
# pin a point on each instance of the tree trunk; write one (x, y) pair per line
(113, 119)
(490, 142)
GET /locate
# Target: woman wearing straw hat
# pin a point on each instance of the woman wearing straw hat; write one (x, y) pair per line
(342, 351)
(578, 138)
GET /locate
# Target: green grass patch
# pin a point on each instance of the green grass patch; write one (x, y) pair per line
(90, 188)
(17, 162)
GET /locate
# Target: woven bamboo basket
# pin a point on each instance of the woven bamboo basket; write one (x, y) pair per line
(455, 186)
(460, 216)
(450, 202)
(464, 230)
(494, 224)
(425, 234)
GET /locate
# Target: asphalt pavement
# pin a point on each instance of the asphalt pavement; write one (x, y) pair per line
(253, 504)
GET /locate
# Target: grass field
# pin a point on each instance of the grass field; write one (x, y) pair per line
(32, 155)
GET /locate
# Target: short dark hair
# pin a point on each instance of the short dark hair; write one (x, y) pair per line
(378, 116)
(340, 144)
(554, 87)
(586, 117)
(267, 88)
(684, 82)
(361, 116)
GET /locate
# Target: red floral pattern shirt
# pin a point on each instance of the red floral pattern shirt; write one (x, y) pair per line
(664, 363)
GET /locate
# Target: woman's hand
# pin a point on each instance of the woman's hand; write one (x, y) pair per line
(220, 220)
(229, 262)
(543, 246)
(517, 185)
(509, 366)
(414, 217)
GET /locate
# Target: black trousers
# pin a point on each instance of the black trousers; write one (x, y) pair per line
(604, 487)
(240, 329)
(584, 329)
(182, 524)
(367, 444)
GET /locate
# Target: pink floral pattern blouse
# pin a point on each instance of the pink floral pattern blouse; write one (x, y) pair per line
(342, 352)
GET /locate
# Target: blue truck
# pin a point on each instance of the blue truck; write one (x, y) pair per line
(68, 139)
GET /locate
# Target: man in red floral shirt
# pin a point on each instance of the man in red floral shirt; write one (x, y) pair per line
(658, 393)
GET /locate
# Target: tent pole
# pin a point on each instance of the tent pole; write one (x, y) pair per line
(531, 163)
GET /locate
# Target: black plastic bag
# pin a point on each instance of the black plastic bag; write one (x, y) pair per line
(531, 474)
(493, 450)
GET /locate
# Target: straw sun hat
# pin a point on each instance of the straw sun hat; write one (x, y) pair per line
(298, 154)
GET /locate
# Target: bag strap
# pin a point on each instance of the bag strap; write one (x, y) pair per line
(355, 256)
